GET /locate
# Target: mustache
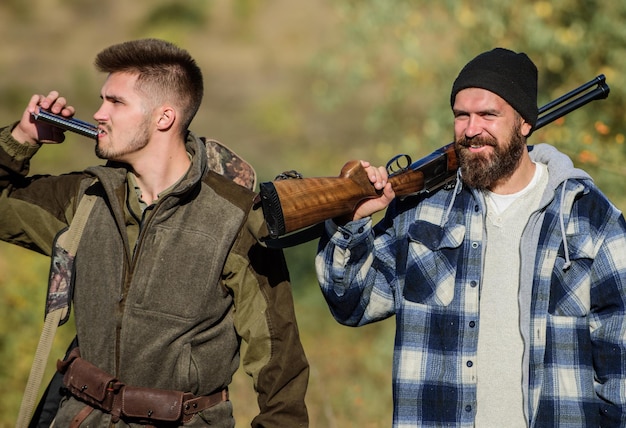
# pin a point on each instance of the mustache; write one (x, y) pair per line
(476, 141)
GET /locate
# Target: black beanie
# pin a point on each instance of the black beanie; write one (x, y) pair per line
(512, 76)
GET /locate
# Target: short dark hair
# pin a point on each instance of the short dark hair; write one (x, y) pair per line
(164, 70)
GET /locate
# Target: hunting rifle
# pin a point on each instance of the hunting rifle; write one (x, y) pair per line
(292, 203)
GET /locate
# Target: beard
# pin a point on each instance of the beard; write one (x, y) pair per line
(482, 171)
(137, 142)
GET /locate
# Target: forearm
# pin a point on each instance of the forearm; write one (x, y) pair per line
(264, 317)
(33, 209)
(14, 156)
(282, 381)
(608, 323)
(610, 360)
(349, 271)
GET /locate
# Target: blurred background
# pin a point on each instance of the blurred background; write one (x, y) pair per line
(305, 85)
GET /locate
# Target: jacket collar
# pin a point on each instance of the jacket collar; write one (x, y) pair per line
(112, 175)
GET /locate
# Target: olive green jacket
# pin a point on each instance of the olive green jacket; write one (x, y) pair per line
(170, 313)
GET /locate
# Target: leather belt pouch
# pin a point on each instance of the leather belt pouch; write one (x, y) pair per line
(88, 382)
(152, 404)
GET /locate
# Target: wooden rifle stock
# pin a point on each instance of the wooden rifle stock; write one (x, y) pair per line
(297, 203)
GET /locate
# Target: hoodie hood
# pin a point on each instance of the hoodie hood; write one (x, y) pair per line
(560, 168)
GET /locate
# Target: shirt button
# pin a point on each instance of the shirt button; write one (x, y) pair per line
(361, 229)
(472, 324)
(469, 364)
(468, 408)
(474, 245)
(346, 236)
(476, 208)
(473, 284)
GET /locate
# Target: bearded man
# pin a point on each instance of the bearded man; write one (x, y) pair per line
(509, 290)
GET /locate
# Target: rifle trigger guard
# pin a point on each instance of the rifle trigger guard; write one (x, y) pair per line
(398, 164)
(288, 174)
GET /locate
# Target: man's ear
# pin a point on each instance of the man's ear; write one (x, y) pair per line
(525, 128)
(166, 119)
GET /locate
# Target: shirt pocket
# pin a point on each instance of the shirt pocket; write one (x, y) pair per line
(432, 263)
(570, 293)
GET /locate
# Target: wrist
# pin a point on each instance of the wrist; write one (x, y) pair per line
(344, 219)
(22, 137)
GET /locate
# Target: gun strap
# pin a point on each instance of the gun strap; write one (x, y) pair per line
(69, 241)
(296, 238)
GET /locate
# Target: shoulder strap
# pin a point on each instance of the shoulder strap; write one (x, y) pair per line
(57, 305)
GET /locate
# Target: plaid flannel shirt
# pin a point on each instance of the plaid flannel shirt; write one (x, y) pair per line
(423, 264)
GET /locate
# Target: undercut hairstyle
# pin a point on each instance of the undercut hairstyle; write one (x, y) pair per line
(166, 73)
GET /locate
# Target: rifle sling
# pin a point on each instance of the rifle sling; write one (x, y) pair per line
(69, 241)
(296, 238)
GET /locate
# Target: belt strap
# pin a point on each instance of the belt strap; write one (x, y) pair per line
(103, 391)
(81, 416)
(194, 404)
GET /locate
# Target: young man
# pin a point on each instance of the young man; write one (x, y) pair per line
(169, 275)
(508, 290)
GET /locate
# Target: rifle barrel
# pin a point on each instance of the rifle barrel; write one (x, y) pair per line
(598, 80)
(548, 113)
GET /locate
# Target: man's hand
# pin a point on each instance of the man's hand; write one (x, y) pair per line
(378, 177)
(29, 131)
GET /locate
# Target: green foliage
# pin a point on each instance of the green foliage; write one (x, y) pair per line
(190, 14)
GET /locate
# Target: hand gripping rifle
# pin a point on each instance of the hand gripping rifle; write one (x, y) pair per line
(297, 203)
